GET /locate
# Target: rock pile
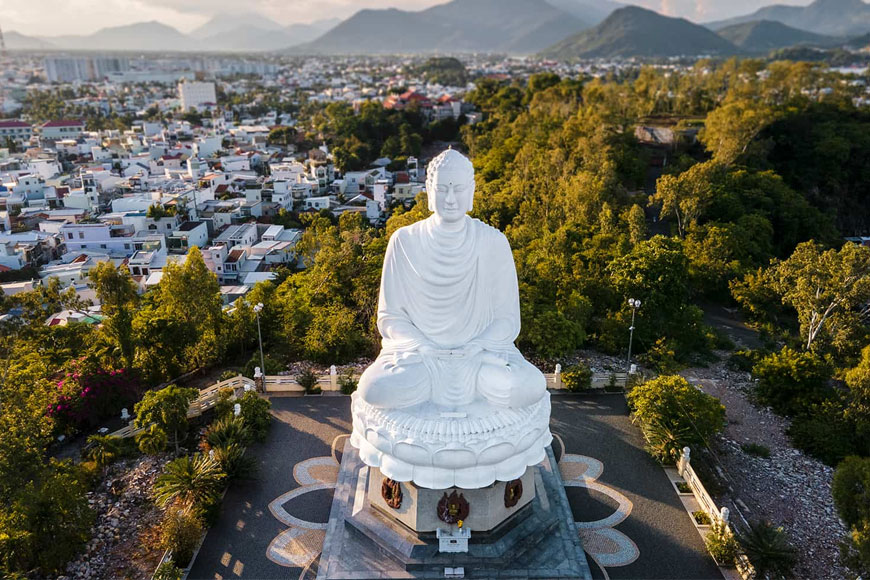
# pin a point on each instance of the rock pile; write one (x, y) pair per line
(124, 511)
(788, 488)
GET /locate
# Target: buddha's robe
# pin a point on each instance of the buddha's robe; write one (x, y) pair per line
(449, 313)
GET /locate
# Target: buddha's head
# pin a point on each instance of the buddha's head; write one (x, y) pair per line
(450, 186)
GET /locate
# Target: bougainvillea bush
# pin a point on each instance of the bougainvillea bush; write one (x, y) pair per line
(88, 395)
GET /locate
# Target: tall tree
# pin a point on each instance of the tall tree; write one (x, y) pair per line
(829, 289)
(119, 299)
(166, 408)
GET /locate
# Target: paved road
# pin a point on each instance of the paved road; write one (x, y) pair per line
(593, 426)
(598, 426)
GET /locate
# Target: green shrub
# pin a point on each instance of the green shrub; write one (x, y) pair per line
(790, 381)
(722, 544)
(273, 367)
(674, 414)
(577, 378)
(665, 440)
(701, 517)
(256, 415)
(228, 431)
(234, 462)
(851, 490)
(756, 449)
(347, 382)
(684, 487)
(769, 549)
(822, 432)
(152, 440)
(168, 571)
(228, 374)
(307, 379)
(855, 550)
(743, 360)
(106, 449)
(224, 405)
(180, 532)
(661, 357)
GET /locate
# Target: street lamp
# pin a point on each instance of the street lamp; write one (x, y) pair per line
(635, 304)
(257, 309)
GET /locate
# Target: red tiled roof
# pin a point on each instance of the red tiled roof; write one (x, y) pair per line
(64, 123)
(221, 188)
(10, 124)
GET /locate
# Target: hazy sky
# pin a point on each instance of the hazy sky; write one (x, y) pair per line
(55, 17)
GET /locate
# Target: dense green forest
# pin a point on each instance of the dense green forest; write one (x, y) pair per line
(750, 211)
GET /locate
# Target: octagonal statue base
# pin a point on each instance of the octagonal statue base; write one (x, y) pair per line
(419, 507)
(537, 539)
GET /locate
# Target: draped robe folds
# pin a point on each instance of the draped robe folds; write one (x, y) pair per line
(448, 307)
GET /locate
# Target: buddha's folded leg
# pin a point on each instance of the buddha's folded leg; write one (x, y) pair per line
(516, 384)
(393, 382)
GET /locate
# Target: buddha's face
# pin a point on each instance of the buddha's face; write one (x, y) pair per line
(453, 194)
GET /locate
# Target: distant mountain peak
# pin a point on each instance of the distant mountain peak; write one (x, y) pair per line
(636, 31)
(827, 17)
(509, 26)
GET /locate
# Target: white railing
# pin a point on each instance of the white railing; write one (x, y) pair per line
(599, 381)
(207, 399)
(687, 472)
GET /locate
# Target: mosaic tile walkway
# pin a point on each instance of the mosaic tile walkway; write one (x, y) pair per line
(630, 520)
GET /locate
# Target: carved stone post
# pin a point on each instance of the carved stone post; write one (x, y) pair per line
(557, 379)
(259, 380)
(684, 461)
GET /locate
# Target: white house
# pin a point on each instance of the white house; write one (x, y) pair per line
(187, 235)
(108, 238)
(16, 131)
(63, 129)
(194, 95)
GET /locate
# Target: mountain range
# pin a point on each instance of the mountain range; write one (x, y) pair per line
(763, 36)
(553, 28)
(830, 17)
(512, 26)
(249, 33)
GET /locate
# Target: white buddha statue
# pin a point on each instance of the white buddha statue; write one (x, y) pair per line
(449, 308)
(450, 401)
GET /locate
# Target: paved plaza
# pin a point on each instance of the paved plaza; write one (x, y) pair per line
(630, 519)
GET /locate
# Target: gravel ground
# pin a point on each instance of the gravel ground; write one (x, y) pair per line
(124, 535)
(788, 488)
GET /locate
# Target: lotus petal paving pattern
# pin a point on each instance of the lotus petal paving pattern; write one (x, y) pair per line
(301, 543)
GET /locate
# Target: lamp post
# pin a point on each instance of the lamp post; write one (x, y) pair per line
(257, 309)
(635, 304)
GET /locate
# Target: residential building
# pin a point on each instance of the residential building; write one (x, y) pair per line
(194, 95)
(15, 131)
(62, 129)
(187, 235)
(241, 235)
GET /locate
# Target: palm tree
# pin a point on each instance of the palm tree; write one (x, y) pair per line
(768, 549)
(103, 449)
(228, 431)
(234, 463)
(189, 481)
(152, 440)
(665, 441)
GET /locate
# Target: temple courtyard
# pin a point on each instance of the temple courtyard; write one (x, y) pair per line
(630, 518)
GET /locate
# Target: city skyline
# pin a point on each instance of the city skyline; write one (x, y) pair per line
(53, 17)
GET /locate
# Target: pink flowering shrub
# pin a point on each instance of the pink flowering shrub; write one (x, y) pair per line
(86, 396)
